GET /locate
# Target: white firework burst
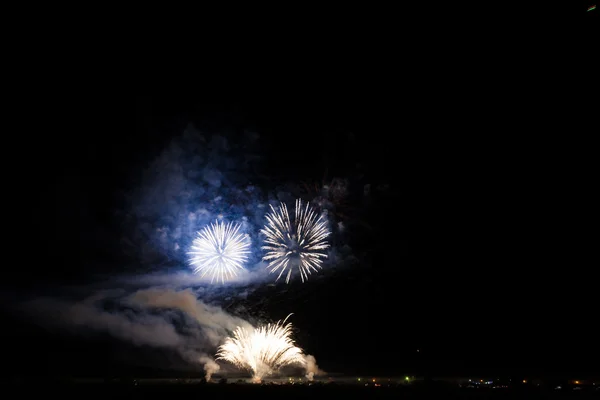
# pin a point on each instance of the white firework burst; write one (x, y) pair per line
(263, 350)
(219, 250)
(299, 242)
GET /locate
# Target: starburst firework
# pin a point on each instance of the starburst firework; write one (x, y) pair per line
(300, 241)
(219, 250)
(263, 350)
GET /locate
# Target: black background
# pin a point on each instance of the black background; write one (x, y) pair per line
(463, 262)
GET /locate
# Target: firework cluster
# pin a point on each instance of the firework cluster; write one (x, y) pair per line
(290, 242)
(292, 238)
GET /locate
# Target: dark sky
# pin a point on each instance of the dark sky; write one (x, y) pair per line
(440, 266)
(451, 253)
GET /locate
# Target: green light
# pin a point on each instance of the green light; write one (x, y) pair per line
(592, 8)
(359, 379)
(406, 378)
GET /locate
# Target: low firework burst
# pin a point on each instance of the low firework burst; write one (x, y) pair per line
(299, 242)
(219, 250)
(263, 350)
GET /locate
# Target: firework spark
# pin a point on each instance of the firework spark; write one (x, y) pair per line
(263, 350)
(299, 242)
(219, 250)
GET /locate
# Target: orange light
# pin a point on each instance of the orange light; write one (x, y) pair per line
(524, 381)
(373, 380)
(577, 382)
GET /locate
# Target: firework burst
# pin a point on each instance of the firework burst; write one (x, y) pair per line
(263, 350)
(299, 242)
(219, 250)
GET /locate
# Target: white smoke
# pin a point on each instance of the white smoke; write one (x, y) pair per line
(210, 366)
(312, 368)
(216, 323)
(145, 321)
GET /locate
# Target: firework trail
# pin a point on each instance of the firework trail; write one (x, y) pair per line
(263, 350)
(219, 250)
(299, 242)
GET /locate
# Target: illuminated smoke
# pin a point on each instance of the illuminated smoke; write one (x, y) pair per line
(210, 366)
(312, 368)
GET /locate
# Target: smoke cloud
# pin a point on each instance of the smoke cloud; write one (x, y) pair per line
(312, 368)
(139, 329)
(145, 318)
(214, 322)
(210, 366)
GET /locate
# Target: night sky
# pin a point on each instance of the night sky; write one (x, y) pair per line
(441, 262)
